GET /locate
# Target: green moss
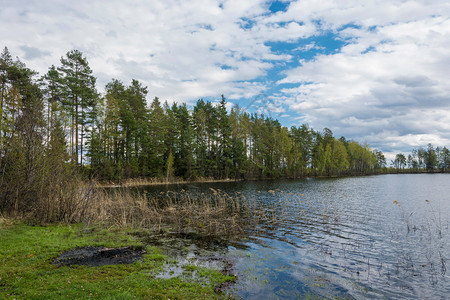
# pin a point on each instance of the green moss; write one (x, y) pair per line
(27, 272)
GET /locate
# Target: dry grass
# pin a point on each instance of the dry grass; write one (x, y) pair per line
(133, 182)
(6, 222)
(213, 214)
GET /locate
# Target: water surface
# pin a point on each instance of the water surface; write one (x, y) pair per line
(383, 236)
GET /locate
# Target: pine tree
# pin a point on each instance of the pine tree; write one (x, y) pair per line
(238, 142)
(79, 99)
(136, 97)
(112, 129)
(184, 154)
(157, 129)
(53, 93)
(200, 121)
(224, 159)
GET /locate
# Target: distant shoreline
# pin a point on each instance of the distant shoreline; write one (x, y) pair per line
(134, 182)
(154, 181)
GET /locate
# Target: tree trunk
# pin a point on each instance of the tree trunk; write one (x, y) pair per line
(76, 127)
(82, 136)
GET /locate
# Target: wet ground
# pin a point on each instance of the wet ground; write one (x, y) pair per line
(99, 256)
(187, 249)
(183, 250)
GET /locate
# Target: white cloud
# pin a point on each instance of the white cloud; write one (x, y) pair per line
(390, 77)
(387, 84)
(309, 47)
(177, 48)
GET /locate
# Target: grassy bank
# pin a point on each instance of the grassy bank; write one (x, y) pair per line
(27, 271)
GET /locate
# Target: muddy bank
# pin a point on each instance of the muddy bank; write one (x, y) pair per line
(99, 256)
(188, 254)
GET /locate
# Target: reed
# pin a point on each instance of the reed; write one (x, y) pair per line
(406, 217)
(213, 214)
(432, 232)
(134, 182)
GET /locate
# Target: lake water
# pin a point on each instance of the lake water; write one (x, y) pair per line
(383, 236)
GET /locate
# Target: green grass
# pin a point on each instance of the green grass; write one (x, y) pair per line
(27, 272)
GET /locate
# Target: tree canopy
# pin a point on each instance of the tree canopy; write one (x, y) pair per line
(119, 135)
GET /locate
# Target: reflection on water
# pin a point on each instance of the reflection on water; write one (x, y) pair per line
(343, 237)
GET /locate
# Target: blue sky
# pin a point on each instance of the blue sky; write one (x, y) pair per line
(372, 71)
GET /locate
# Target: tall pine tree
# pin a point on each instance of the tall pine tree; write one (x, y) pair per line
(79, 99)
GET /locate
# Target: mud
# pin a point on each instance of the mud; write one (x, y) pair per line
(188, 249)
(98, 256)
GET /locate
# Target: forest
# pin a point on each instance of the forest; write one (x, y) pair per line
(429, 159)
(117, 135)
(57, 130)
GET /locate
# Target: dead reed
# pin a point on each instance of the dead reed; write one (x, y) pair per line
(213, 214)
(133, 182)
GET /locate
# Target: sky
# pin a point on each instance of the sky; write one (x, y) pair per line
(376, 72)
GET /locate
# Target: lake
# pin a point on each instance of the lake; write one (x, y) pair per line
(384, 236)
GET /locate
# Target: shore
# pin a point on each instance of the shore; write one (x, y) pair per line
(156, 181)
(30, 267)
(130, 182)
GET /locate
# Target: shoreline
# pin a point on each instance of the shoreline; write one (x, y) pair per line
(152, 181)
(99, 263)
(135, 182)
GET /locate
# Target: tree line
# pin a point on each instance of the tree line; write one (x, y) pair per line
(60, 120)
(430, 159)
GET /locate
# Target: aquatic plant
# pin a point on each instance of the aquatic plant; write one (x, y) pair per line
(406, 216)
(431, 234)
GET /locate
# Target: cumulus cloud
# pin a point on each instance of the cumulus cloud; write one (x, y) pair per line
(384, 80)
(177, 48)
(389, 75)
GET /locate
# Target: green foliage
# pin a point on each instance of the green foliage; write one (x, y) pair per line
(424, 160)
(400, 161)
(119, 136)
(78, 99)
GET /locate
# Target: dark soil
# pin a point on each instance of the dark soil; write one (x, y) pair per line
(98, 256)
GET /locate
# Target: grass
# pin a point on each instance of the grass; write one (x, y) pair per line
(27, 272)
